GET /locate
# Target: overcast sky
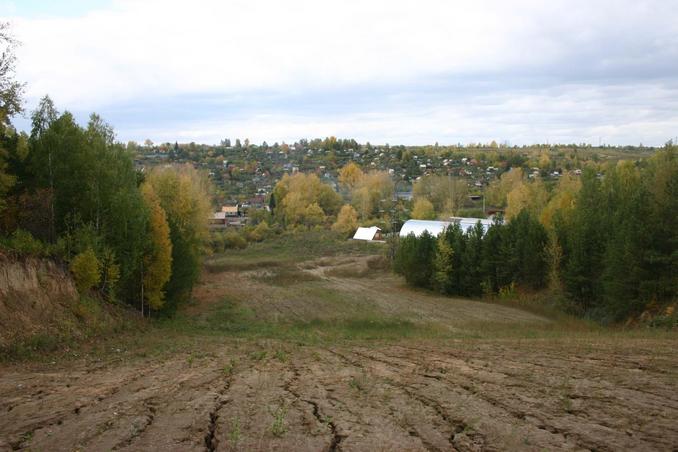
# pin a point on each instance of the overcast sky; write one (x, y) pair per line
(391, 71)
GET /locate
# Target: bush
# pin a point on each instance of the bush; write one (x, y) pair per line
(86, 270)
(23, 242)
(233, 240)
(259, 232)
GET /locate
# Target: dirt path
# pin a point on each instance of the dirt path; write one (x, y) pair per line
(500, 395)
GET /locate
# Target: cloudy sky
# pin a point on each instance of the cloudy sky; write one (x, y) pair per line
(384, 71)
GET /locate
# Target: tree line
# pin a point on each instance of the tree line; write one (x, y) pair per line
(608, 242)
(75, 195)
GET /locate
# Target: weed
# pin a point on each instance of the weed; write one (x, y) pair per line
(565, 388)
(358, 383)
(278, 427)
(281, 356)
(26, 437)
(258, 355)
(234, 432)
(230, 367)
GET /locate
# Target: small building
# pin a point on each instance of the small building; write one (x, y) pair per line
(218, 218)
(435, 228)
(369, 234)
(417, 227)
(231, 211)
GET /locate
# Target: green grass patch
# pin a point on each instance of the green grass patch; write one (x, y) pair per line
(230, 319)
(286, 276)
(290, 247)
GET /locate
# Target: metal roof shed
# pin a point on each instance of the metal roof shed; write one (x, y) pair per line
(435, 228)
(417, 227)
(367, 233)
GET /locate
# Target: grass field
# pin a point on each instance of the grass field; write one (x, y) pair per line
(309, 343)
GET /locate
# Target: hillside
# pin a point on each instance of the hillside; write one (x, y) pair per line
(313, 348)
(40, 309)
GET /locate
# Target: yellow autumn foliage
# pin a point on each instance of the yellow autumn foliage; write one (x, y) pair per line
(347, 220)
(158, 260)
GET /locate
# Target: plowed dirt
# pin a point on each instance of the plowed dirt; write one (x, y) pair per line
(589, 391)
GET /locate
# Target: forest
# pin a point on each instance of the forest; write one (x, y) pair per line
(75, 195)
(607, 243)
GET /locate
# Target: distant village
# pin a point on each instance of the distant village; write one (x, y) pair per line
(244, 174)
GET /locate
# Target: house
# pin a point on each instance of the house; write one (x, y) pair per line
(231, 211)
(369, 234)
(218, 218)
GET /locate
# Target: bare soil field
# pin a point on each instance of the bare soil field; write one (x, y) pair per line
(335, 354)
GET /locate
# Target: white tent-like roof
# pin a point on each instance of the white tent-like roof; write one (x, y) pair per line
(468, 223)
(366, 233)
(435, 228)
(417, 227)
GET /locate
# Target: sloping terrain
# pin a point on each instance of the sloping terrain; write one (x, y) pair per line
(34, 293)
(336, 354)
(501, 395)
(40, 307)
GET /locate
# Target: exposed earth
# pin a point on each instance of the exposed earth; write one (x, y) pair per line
(455, 375)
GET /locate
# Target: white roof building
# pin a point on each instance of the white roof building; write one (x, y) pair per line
(417, 227)
(435, 228)
(367, 234)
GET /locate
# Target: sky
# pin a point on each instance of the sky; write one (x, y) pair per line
(384, 71)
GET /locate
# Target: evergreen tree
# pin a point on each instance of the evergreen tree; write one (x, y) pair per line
(583, 240)
(526, 241)
(472, 275)
(414, 259)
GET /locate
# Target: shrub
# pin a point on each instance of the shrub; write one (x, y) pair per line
(23, 242)
(86, 270)
(259, 232)
(233, 240)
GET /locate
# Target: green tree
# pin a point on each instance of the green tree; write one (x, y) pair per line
(525, 251)
(583, 237)
(443, 266)
(414, 259)
(472, 276)
(10, 104)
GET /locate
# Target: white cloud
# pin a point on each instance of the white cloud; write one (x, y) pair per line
(564, 114)
(157, 49)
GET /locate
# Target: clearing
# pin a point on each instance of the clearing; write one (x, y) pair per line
(293, 346)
